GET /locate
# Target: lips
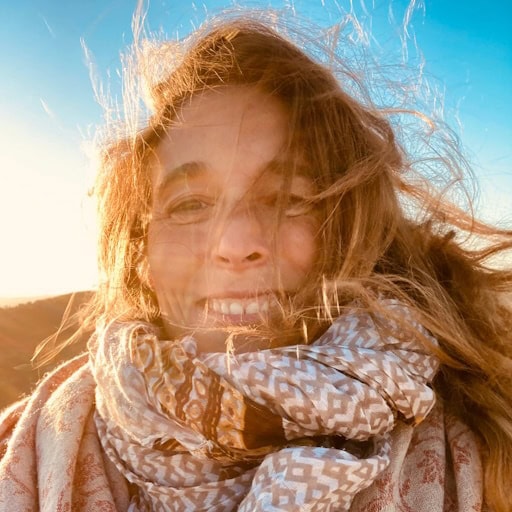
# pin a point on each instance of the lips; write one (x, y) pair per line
(238, 309)
(234, 306)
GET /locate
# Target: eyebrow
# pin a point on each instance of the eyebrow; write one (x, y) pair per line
(281, 167)
(194, 169)
(184, 171)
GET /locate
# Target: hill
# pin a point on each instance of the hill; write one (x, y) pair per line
(22, 328)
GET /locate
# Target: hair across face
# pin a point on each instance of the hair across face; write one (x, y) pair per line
(348, 150)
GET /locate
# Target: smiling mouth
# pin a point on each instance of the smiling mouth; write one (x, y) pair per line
(235, 309)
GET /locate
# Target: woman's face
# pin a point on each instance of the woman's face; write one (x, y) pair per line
(218, 255)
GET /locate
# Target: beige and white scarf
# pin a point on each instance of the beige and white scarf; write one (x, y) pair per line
(323, 427)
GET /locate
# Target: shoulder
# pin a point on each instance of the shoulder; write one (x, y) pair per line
(51, 455)
(62, 389)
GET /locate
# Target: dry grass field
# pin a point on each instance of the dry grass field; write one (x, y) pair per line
(22, 328)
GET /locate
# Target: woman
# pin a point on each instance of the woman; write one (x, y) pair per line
(288, 320)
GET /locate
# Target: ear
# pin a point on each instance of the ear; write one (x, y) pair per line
(150, 280)
(144, 273)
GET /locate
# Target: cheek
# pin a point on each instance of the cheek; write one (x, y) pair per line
(298, 246)
(174, 254)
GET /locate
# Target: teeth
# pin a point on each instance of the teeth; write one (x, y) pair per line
(236, 307)
(252, 308)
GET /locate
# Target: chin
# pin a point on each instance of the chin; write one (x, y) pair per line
(227, 335)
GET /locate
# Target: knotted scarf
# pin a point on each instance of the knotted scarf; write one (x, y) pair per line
(321, 427)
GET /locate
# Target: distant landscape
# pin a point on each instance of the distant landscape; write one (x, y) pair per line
(22, 327)
(15, 301)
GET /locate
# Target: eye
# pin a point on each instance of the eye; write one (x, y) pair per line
(293, 206)
(297, 205)
(188, 210)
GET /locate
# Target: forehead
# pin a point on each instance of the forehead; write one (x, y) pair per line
(228, 105)
(232, 130)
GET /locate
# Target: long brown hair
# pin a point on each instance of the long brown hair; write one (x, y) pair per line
(385, 229)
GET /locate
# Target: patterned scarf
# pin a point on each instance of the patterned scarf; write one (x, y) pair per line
(145, 424)
(296, 428)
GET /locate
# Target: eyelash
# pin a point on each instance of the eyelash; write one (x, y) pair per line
(299, 204)
(197, 209)
(191, 209)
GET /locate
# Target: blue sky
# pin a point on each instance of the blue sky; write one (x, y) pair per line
(47, 109)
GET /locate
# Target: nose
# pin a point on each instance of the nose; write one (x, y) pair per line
(240, 241)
